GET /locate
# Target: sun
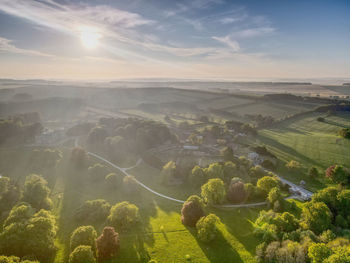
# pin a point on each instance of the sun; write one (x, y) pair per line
(90, 37)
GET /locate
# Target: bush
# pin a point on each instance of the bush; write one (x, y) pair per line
(79, 158)
(83, 235)
(107, 244)
(206, 228)
(320, 119)
(93, 211)
(82, 254)
(213, 192)
(124, 215)
(293, 166)
(267, 164)
(192, 211)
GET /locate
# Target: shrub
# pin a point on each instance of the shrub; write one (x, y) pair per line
(213, 192)
(83, 235)
(206, 228)
(338, 174)
(107, 244)
(293, 166)
(320, 119)
(192, 211)
(124, 215)
(93, 211)
(267, 164)
(82, 254)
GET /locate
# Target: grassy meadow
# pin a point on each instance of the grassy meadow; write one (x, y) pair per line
(310, 142)
(162, 236)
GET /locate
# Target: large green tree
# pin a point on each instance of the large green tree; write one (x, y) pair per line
(213, 192)
(316, 216)
(36, 192)
(124, 215)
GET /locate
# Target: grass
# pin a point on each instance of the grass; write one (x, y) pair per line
(163, 237)
(310, 142)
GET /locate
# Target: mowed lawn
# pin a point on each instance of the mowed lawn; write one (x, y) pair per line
(162, 236)
(309, 141)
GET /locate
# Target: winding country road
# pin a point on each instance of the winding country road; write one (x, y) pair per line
(124, 171)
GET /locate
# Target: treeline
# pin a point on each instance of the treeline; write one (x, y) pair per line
(117, 137)
(20, 128)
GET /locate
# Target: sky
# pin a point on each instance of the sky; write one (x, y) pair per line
(198, 39)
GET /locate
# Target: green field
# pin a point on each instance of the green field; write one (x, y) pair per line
(235, 241)
(310, 142)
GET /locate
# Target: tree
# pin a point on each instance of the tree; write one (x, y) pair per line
(113, 180)
(213, 192)
(266, 183)
(83, 235)
(275, 198)
(29, 234)
(343, 202)
(82, 254)
(97, 136)
(215, 170)
(345, 133)
(316, 216)
(257, 172)
(227, 154)
(124, 215)
(107, 244)
(328, 196)
(36, 192)
(9, 193)
(12, 259)
(192, 211)
(168, 172)
(130, 184)
(206, 228)
(93, 211)
(97, 172)
(229, 170)
(197, 176)
(338, 174)
(79, 158)
(236, 192)
(313, 172)
(319, 252)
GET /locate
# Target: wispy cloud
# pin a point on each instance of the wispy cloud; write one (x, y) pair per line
(7, 46)
(252, 32)
(233, 44)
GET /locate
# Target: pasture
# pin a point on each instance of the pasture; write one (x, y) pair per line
(310, 142)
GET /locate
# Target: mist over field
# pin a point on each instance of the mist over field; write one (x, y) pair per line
(174, 131)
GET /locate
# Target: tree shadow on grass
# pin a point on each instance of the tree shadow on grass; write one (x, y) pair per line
(238, 224)
(336, 123)
(218, 250)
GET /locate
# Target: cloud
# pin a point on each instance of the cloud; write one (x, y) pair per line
(229, 42)
(7, 46)
(252, 32)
